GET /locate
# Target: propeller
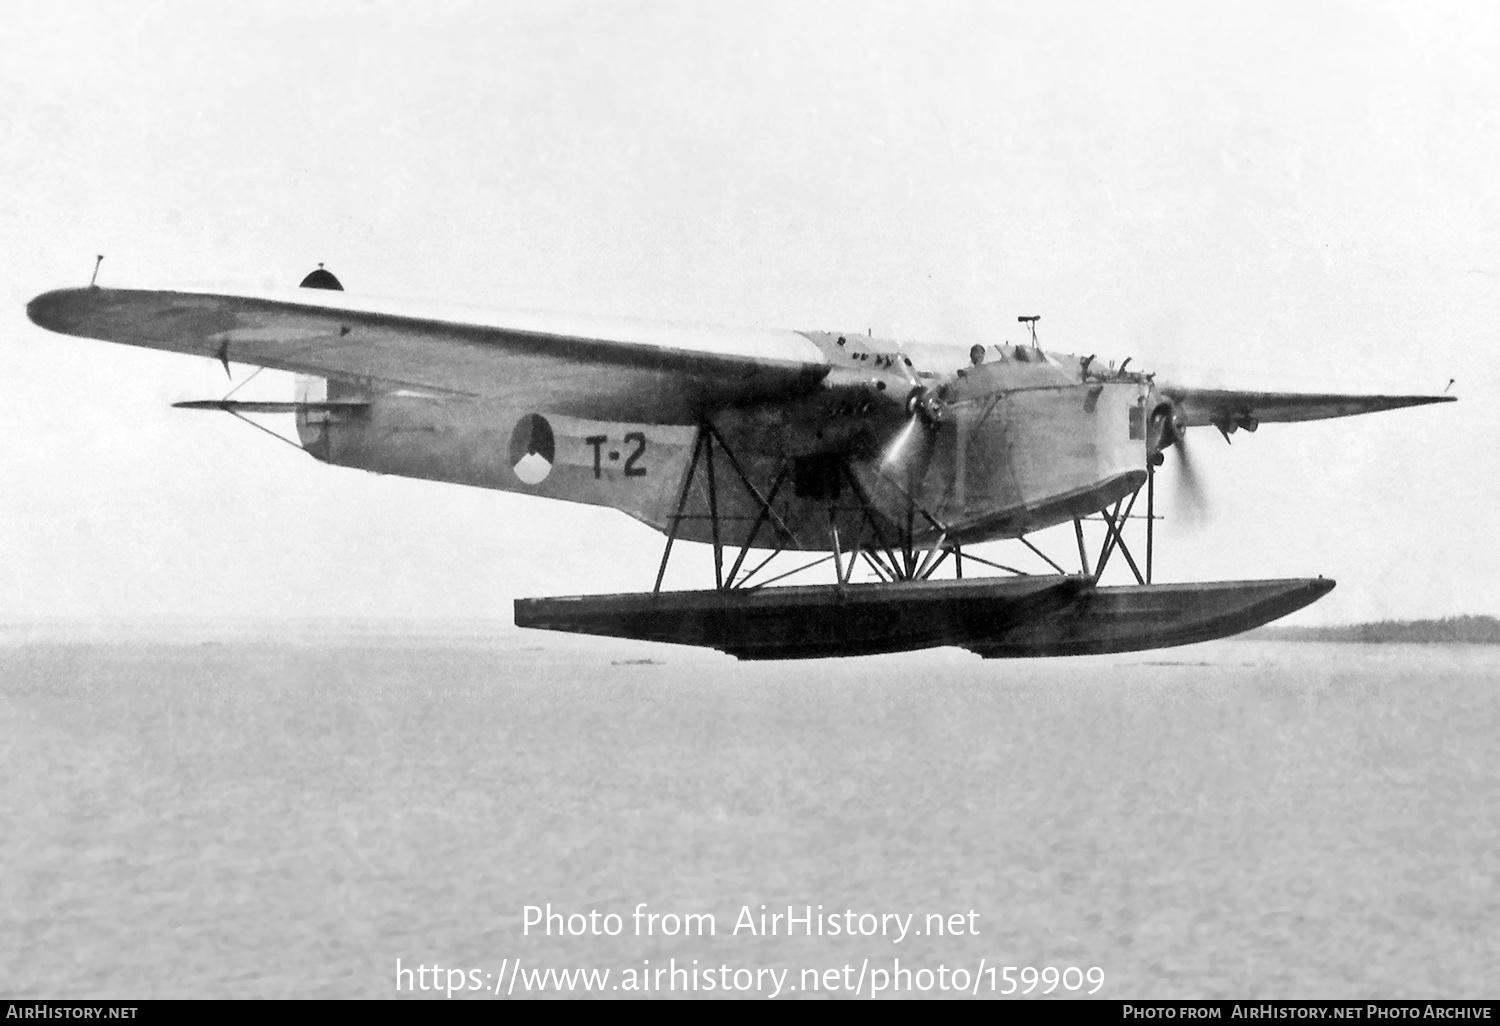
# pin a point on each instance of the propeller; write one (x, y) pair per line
(1190, 495)
(895, 451)
(922, 414)
(1169, 432)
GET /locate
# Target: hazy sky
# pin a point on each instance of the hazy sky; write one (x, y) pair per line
(1309, 191)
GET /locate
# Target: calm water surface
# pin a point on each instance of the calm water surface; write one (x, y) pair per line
(264, 813)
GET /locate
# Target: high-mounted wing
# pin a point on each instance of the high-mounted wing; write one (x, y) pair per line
(1229, 408)
(594, 367)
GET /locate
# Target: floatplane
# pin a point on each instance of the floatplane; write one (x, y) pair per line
(892, 461)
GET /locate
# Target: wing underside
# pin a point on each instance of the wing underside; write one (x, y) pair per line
(602, 368)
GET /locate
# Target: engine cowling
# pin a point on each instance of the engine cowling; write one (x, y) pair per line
(1166, 427)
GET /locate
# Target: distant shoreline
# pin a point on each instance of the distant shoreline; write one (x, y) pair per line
(1452, 630)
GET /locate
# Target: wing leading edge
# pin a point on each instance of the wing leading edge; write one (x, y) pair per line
(600, 368)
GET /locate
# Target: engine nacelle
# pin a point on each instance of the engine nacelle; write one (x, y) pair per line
(1165, 426)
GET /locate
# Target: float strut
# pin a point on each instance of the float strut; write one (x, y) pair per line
(1150, 513)
(713, 506)
(687, 484)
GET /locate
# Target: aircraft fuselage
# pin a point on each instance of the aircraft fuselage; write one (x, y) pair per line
(1015, 443)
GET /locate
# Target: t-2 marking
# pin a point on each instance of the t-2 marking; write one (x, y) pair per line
(631, 467)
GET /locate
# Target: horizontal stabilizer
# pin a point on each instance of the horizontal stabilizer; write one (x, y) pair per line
(240, 406)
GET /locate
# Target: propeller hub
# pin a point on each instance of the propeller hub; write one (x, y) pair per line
(923, 402)
(1167, 427)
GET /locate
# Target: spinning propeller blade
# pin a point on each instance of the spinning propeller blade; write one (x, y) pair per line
(1169, 431)
(900, 454)
(1190, 497)
(895, 451)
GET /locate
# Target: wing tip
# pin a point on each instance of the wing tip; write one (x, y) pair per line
(1399, 401)
(57, 309)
